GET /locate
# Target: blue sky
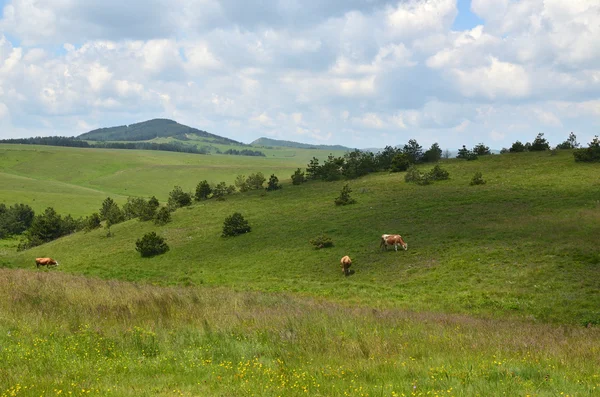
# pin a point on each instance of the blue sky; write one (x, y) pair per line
(363, 73)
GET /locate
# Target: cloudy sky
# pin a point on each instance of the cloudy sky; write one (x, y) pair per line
(363, 73)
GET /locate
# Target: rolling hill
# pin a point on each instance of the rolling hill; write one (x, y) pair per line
(268, 142)
(498, 293)
(152, 129)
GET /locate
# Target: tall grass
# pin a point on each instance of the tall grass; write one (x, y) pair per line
(70, 335)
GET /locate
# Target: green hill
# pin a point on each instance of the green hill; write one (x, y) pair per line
(268, 142)
(151, 129)
(498, 293)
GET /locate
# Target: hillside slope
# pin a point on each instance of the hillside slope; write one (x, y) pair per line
(151, 129)
(268, 142)
(524, 244)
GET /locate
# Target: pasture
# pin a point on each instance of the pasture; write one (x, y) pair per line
(492, 297)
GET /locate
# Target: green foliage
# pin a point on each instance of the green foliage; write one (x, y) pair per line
(539, 144)
(15, 220)
(437, 173)
(255, 181)
(273, 183)
(313, 169)
(150, 245)
(481, 150)
(589, 154)
(203, 190)
(466, 154)
(92, 222)
(220, 190)
(433, 154)
(298, 177)
(321, 241)
(242, 183)
(111, 210)
(400, 162)
(517, 147)
(570, 143)
(344, 197)
(136, 207)
(414, 151)
(384, 158)
(413, 174)
(234, 225)
(357, 164)
(162, 217)
(178, 198)
(477, 179)
(49, 226)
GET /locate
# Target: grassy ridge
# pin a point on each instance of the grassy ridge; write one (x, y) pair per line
(71, 335)
(43, 176)
(524, 244)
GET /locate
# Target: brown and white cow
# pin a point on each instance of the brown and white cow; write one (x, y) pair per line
(392, 239)
(345, 263)
(45, 262)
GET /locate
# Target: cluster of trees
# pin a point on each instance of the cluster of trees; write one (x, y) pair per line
(76, 142)
(15, 220)
(244, 152)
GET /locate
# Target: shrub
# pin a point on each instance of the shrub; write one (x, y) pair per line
(92, 222)
(241, 183)
(234, 225)
(163, 216)
(321, 241)
(344, 197)
(539, 144)
(150, 245)
(589, 154)
(412, 175)
(517, 147)
(15, 220)
(219, 191)
(400, 163)
(273, 183)
(438, 173)
(203, 190)
(477, 179)
(178, 198)
(255, 181)
(425, 179)
(135, 207)
(481, 150)
(298, 177)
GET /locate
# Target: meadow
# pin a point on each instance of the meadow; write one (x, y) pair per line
(498, 293)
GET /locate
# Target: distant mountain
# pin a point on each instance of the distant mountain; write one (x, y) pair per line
(147, 130)
(280, 143)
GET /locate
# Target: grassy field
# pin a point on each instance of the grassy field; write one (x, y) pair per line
(492, 297)
(75, 181)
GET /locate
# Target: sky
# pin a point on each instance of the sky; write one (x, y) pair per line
(361, 73)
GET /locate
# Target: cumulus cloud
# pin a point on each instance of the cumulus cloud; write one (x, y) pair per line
(334, 71)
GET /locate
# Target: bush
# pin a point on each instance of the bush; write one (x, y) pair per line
(481, 150)
(163, 216)
(539, 144)
(242, 183)
(400, 163)
(344, 197)
(589, 154)
(178, 198)
(150, 245)
(477, 179)
(219, 191)
(234, 225)
(15, 220)
(321, 241)
(412, 175)
(135, 207)
(517, 147)
(438, 173)
(92, 222)
(203, 190)
(298, 177)
(273, 183)
(255, 181)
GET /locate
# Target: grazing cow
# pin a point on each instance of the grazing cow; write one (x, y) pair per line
(346, 262)
(392, 239)
(45, 262)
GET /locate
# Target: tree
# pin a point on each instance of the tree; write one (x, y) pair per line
(433, 154)
(477, 179)
(16, 219)
(45, 227)
(344, 197)
(298, 177)
(539, 144)
(92, 222)
(241, 183)
(517, 147)
(219, 191)
(151, 244)
(162, 217)
(273, 183)
(178, 198)
(203, 190)
(465, 153)
(135, 207)
(235, 225)
(313, 169)
(414, 151)
(589, 154)
(400, 162)
(113, 216)
(109, 206)
(447, 154)
(255, 181)
(384, 158)
(481, 150)
(570, 143)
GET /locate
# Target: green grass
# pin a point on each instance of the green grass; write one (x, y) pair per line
(75, 181)
(70, 335)
(491, 298)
